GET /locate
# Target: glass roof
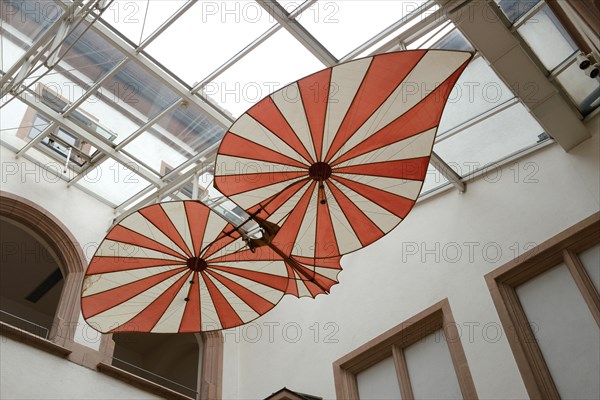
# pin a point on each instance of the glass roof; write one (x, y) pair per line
(148, 88)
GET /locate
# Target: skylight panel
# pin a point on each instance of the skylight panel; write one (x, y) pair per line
(477, 91)
(208, 35)
(30, 18)
(14, 129)
(344, 25)
(490, 140)
(137, 19)
(547, 38)
(113, 181)
(514, 9)
(173, 139)
(128, 100)
(278, 61)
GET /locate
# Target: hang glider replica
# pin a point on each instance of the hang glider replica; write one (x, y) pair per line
(323, 167)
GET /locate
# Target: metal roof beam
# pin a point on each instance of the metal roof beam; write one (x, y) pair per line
(418, 12)
(165, 25)
(217, 116)
(277, 11)
(447, 172)
(33, 50)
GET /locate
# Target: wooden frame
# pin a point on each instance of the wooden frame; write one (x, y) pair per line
(503, 281)
(392, 343)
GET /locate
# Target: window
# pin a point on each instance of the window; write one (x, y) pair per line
(170, 360)
(549, 299)
(57, 142)
(420, 358)
(174, 366)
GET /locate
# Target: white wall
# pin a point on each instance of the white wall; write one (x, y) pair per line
(382, 285)
(395, 278)
(85, 217)
(29, 373)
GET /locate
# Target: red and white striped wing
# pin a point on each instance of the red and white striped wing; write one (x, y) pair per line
(148, 274)
(337, 159)
(319, 275)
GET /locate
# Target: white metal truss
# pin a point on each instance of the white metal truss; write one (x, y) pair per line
(89, 136)
(188, 171)
(45, 50)
(277, 11)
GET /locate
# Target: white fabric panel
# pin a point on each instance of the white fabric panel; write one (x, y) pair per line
(110, 248)
(344, 234)
(432, 70)
(171, 319)
(302, 289)
(385, 220)
(117, 316)
(412, 147)
(330, 273)
(244, 166)
(305, 241)
(137, 223)
(591, 262)
(250, 129)
(214, 227)
(266, 292)
(248, 199)
(209, 318)
(379, 382)
(243, 310)
(401, 187)
(176, 213)
(566, 331)
(430, 369)
(289, 205)
(289, 102)
(265, 267)
(101, 282)
(345, 82)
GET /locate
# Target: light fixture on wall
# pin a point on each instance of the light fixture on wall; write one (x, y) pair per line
(585, 64)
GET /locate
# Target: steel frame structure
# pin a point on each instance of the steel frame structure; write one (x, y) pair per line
(432, 15)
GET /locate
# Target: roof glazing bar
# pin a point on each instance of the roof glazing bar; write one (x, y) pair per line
(261, 39)
(40, 42)
(94, 88)
(170, 185)
(91, 164)
(448, 172)
(148, 124)
(89, 136)
(390, 29)
(277, 11)
(37, 139)
(165, 25)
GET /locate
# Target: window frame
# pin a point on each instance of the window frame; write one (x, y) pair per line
(502, 283)
(392, 342)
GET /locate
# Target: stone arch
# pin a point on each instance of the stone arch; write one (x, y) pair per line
(69, 254)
